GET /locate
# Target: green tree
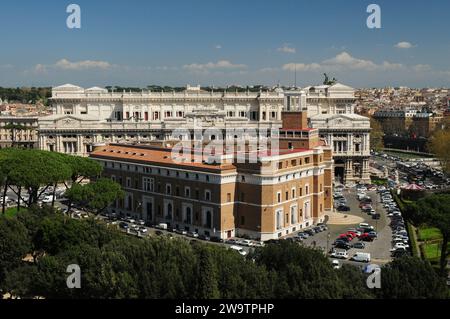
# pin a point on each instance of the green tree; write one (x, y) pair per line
(14, 245)
(439, 144)
(207, 276)
(97, 195)
(376, 135)
(411, 278)
(434, 210)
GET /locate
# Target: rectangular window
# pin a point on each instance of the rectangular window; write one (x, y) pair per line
(207, 195)
(148, 184)
(187, 192)
(168, 189)
(279, 197)
(228, 197)
(146, 116)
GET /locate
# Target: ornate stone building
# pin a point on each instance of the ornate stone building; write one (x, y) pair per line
(84, 117)
(331, 110)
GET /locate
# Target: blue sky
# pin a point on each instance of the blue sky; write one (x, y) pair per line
(218, 42)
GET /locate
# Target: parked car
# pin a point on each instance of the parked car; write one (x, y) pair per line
(343, 246)
(317, 229)
(341, 254)
(247, 242)
(343, 208)
(366, 237)
(310, 232)
(335, 263)
(359, 245)
(47, 199)
(204, 237)
(193, 234)
(217, 239)
(123, 225)
(302, 235)
(239, 249)
(143, 230)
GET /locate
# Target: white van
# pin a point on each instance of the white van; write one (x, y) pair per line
(364, 225)
(363, 257)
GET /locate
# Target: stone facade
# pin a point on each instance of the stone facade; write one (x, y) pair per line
(18, 131)
(84, 117)
(282, 192)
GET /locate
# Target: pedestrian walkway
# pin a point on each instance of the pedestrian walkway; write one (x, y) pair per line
(343, 219)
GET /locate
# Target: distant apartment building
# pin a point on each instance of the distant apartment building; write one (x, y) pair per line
(18, 131)
(409, 122)
(424, 124)
(281, 192)
(395, 122)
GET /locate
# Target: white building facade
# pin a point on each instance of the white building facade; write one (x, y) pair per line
(85, 117)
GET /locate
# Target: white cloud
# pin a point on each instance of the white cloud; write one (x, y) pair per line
(82, 65)
(219, 65)
(6, 66)
(403, 45)
(65, 64)
(287, 49)
(301, 67)
(343, 61)
(268, 69)
(422, 67)
(218, 46)
(391, 66)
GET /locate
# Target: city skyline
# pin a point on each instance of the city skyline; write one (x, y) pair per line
(181, 43)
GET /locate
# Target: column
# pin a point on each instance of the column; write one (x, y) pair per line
(350, 142)
(348, 171)
(80, 148)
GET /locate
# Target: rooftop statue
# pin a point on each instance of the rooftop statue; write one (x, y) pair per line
(327, 81)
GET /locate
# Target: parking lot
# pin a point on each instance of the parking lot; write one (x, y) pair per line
(379, 248)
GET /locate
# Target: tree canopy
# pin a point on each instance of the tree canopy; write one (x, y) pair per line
(434, 210)
(115, 265)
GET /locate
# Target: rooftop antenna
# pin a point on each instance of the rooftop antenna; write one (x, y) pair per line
(295, 75)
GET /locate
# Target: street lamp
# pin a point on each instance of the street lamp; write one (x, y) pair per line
(328, 241)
